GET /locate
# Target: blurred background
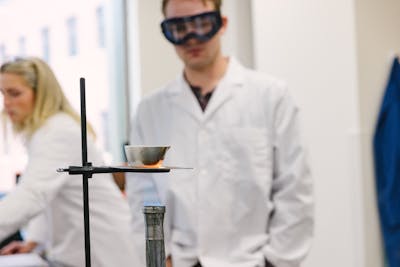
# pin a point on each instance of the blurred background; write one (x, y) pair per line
(334, 54)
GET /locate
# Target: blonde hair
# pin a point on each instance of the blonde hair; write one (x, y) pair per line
(49, 96)
(217, 4)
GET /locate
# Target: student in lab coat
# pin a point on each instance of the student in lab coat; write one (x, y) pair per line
(248, 200)
(51, 202)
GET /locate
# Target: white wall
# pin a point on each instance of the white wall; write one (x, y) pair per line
(157, 60)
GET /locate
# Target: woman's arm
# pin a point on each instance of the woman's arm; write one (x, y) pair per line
(55, 145)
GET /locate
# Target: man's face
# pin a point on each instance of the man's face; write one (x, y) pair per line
(194, 53)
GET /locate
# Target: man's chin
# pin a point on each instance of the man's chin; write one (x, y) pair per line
(196, 64)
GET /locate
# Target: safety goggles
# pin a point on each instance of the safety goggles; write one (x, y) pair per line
(201, 27)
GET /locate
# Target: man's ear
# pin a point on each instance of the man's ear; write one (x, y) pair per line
(224, 24)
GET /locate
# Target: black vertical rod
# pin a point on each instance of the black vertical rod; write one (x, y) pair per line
(83, 122)
(85, 176)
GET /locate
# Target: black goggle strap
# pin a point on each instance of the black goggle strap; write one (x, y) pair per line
(213, 16)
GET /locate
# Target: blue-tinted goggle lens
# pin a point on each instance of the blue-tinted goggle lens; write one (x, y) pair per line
(202, 27)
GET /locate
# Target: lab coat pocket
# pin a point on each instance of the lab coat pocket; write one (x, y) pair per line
(246, 160)
(247, 154)
(182, 239)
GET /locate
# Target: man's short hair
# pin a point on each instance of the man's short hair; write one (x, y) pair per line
(217, 4)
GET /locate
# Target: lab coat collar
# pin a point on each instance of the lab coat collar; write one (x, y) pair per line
(182, 95)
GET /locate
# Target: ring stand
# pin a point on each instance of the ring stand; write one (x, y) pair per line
(87, 170)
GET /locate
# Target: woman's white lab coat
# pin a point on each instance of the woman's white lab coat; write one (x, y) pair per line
(56, 201)
(249, 196)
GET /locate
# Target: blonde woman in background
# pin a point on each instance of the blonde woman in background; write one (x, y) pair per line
(52, 202)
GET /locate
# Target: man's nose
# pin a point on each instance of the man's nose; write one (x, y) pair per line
(192, 41)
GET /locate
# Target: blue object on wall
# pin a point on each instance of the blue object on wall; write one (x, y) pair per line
(387, 166)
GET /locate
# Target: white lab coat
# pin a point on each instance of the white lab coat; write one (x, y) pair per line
(249, 196)
(56, 201)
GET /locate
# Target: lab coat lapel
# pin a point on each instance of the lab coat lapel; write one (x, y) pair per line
(226, 88)
(183, 98)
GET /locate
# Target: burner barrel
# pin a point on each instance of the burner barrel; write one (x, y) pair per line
(155, 251)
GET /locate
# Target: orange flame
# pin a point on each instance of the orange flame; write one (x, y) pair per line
(156, 165)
